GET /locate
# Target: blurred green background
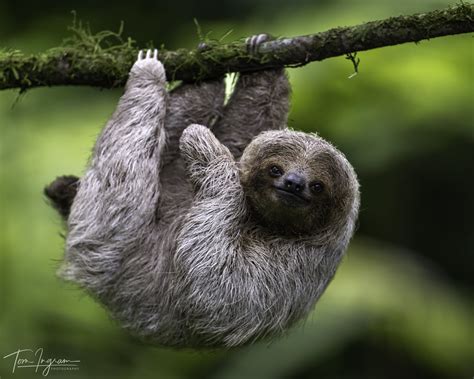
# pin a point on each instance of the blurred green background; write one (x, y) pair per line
(401, 303)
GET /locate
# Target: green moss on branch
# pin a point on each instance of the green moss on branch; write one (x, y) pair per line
(104, 59)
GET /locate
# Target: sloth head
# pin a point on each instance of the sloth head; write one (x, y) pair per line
(298, 183)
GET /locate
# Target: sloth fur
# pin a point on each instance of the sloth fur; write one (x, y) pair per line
(206, 237)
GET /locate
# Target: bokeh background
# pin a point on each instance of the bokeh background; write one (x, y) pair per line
(401, 303)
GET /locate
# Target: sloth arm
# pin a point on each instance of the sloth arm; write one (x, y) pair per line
(219, 202)
(260, 102)
(114, 209)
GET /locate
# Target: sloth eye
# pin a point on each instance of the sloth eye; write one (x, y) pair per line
(275, 172)
(317, 187)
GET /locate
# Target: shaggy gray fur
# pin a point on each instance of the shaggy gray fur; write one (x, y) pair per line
(197, 263)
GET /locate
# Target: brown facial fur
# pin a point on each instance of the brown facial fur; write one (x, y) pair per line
(312, 159)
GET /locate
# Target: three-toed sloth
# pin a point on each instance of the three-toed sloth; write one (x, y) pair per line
(206, 236)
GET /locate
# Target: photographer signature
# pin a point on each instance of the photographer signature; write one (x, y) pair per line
(28, 358)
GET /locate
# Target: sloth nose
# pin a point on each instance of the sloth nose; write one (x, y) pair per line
(294, 182)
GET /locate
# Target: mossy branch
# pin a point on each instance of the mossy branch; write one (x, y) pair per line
(104, 59)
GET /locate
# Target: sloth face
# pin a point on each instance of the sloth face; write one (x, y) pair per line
(296, 182)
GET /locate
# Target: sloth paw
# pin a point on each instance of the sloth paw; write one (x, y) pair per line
(255, 41)
(198, 144)
(148, 66)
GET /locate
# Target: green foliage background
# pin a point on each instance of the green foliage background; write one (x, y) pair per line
(401, 303)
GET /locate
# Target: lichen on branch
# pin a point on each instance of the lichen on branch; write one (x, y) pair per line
(104, 59)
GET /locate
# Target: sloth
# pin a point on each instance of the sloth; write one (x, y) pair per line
(209, 236)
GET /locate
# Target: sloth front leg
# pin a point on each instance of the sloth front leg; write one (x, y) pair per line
(114, 210)
(218, 207)
(208, 162)
(260, 102)
(212, 229)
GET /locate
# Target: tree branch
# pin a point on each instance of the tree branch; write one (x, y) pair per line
(92, 65)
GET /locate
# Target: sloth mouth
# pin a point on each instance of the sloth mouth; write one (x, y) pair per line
(291, 198)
